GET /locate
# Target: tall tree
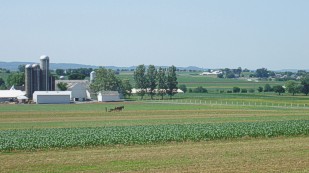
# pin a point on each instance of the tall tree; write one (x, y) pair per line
(262, 73)
(162, 80)
(2, 84)
(278, 89)
(171, 81)
(127, 88)
(305, 83)
(17, 79)
(140, 79)
(105, 80)
(292, 87)
(151, 80)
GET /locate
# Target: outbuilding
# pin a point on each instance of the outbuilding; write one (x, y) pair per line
(109, 96)
(52, 97)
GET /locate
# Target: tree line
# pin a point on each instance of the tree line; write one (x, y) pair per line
(152, 81)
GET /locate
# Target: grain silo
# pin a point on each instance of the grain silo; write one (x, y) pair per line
(28, 80)
(36, 77)
(92, 76)
(45, 72)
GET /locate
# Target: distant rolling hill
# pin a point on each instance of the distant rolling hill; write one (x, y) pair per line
(13, 66)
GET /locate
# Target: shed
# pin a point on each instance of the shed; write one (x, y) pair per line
(52, 97)
(109, 96)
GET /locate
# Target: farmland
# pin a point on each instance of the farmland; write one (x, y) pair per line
(193, 132)
(151, 137)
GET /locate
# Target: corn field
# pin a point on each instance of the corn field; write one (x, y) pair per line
(32, 139)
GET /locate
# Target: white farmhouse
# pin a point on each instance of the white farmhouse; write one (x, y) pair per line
(79, 89)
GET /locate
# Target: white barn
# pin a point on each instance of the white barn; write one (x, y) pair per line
(79, 89)
(52, 97)
(109, 96)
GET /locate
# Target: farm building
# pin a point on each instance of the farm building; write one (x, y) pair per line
(8, 95)
(52, 97)
(79, 89)
(109, 96)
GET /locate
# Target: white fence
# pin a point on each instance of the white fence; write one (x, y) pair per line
(231, 103)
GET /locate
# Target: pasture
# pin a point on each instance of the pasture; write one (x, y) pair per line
(152, 136)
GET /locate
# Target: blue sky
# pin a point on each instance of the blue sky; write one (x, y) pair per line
(210, 34)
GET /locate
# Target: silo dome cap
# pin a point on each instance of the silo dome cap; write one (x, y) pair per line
(28, 66)
(44, 57)
(35, 65)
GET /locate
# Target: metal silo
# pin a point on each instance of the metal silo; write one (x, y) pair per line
(45, 73)
(92, 76)
(28, 80)
(36, 77)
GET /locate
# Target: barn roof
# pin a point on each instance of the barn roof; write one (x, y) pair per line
(50, 93)
(11, 93)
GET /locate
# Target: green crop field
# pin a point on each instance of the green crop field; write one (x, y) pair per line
(155, 136)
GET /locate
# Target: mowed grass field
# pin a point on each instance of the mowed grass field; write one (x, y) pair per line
(275, 152)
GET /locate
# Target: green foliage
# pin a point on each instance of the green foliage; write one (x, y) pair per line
(260, 89)
(17, 79)
(267, 88)
(278, 89)
(305, 83)
(151, 78)
(171, 81)
(161, 79)
(200, 89)
(127, 88)
(60, 72)
(243, 90)
(31, 139)
(76, 76)
(140, 79)
(62, 86)
(236, 89)
(105, 80)
(292, 87)
(262, 73)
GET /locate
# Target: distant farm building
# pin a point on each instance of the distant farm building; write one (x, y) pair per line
(109, 96)
(10, 95)
(212, 72)
(79, 89)
(52, 97)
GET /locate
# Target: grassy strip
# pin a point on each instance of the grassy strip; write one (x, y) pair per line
(127, 135)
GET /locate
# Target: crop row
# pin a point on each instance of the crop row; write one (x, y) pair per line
(31, 139)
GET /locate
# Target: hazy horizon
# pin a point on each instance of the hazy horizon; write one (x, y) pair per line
(206, 34)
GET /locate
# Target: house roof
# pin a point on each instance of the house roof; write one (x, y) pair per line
(11, 93)
(72, 83)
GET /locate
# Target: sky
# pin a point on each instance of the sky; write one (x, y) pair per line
(272, 34)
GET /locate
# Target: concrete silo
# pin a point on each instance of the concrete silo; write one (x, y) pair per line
(45, 73)
(92, 76)
(28, 80)
(36, 77)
